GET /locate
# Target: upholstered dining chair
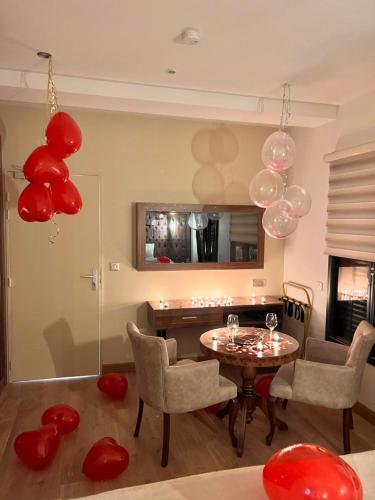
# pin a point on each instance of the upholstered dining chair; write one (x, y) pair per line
(329, 376)
(173, 386)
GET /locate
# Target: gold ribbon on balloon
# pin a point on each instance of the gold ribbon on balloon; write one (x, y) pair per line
(52, 96)
(52, 237)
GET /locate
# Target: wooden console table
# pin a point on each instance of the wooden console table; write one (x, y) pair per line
(181, 313)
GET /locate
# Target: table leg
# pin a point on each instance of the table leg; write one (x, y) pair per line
(162, 333)
(248, 404)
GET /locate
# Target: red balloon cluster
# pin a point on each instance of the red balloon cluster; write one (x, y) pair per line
(105, 460)
(263, 385)
(36, 449)
(114, 385)
(50, 191)
(312, 472)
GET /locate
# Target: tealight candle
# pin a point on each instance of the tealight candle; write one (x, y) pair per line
(276, 337)
(166, 305)
(263, 300)
(161, 303)
(260, 345)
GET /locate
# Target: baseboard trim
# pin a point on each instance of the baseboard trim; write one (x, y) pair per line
(365, 412)
(118, 368)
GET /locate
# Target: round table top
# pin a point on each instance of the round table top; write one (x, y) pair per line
(275, 353)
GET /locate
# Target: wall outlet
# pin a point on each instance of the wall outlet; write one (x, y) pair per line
(258, 283)
(114, 266)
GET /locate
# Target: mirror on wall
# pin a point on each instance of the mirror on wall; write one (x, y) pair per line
(175, 237)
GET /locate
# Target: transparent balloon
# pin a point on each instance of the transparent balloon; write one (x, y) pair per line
(198, 221)
(300, 200)
(201, 146)
(224, 145)
(279, 151)
(266, 188)
(215, 215)
(208, 185)
(279, 221)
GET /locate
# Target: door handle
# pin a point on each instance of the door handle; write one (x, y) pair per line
(94, 279)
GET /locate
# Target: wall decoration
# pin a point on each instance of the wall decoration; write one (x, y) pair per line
(268, 189)
(50, 191)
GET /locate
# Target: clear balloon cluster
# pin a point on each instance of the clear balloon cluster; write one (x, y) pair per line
(284, 205)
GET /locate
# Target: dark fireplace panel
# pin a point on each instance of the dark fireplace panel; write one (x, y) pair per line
(350, 298)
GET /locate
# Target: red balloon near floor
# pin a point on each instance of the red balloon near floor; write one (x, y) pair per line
(65, 197)
(312, 472)
(35, 204)
(36, 449)
(114, 385)
(42, 166)
(105, 460)
(65, 416)
(63, 135)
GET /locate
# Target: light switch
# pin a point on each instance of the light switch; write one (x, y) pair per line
(114, 266)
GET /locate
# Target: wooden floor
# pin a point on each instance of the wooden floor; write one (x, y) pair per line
(199, 441)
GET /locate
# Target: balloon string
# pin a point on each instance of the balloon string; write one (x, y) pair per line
(52, 96)
(286, 109)
(52, 237)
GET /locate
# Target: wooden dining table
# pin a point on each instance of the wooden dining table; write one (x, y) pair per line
(245, 354)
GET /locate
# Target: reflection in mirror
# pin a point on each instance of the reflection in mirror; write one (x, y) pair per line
(196, 237)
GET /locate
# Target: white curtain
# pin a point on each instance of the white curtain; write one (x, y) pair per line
(351, 207)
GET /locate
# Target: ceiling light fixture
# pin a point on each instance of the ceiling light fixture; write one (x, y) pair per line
(171, 71)
(188, 36)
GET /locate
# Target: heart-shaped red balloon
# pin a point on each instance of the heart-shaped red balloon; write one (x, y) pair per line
(262, 387)
(36, 449)
(65, 416)
(105, 460)
(35, 203)
(66, 197)
(114, 385)
(312, 472)
(63, 135)
(43, 166)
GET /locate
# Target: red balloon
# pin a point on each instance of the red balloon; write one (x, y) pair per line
(262, 387)
(312, 472)
(36, 449)
(35, 203)
(42, 166)
(63, 135)
(114, 385)
(105, 460)
(65, 416)
(66, 197)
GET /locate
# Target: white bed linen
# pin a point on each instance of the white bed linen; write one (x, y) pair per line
(240, 484)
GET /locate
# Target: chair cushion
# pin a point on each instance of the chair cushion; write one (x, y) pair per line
(281, 386)
(184, 362)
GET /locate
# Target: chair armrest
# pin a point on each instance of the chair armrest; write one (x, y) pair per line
(172, 350)
(323, 351)
(190, 387)
(332, 386)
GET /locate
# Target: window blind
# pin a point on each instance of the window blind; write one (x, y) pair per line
(244, 228)
(351, 204)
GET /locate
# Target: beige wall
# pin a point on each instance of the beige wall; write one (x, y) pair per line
(355, 125)
(144, 158)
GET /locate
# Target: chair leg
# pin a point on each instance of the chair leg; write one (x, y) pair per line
(234, 406)
(271, 408)
(166, 433)
(284, 404)
(139, 418)
(346, 420)
(351, 423)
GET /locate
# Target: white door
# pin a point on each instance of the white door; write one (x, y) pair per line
(53, 312)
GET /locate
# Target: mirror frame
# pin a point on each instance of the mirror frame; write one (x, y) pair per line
(142, 208)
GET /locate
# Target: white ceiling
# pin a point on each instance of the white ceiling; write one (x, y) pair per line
(324, 48)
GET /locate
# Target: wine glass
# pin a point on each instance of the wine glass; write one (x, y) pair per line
(271, 323)
(233, 325)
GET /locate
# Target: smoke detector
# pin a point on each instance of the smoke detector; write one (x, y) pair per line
(189, 36)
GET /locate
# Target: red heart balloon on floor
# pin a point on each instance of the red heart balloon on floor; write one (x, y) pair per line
(114, 385)
(36, 449)
(63, 135)
(66, 197)
(263, 385)
(42, 166)
(310, 471)
(105, 460)
(65, 416)
(35, 204)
